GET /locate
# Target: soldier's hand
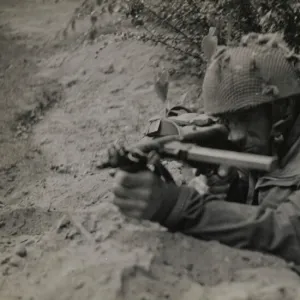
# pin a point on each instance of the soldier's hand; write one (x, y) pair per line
(134, 192)
(215, 186)
(220, 183)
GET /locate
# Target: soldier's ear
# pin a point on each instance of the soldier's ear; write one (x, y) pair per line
(209, 43)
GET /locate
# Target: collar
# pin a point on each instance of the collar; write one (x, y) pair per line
(292, 143)
(289, 165)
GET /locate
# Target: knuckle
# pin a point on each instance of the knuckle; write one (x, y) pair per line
(119, 191)
(120, 177)
(147, 194)
(118, 202)
(137, 214)
(149, 177)
(115, 187)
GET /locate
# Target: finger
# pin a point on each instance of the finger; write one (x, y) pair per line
(112, 172)
(215, 197)
(119, 191)
(222, 189)
(111, 151)
(131, 193)
(126, 179)
(128, 205)
(118, 144)
(221, 197)
(113, 155)
(223, 171)
(136, 214)
(131, 180)
(216, 180)
(228, 173)
(153, 158)
(199, 185)
(116, 150)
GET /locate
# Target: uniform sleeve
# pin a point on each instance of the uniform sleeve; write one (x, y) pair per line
(276, 231)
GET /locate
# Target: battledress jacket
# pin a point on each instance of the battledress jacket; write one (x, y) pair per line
(269, 221)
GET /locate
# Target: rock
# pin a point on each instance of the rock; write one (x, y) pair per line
(109, 69)
(79, 285)
(5, 260)
(21, 251)
(6, 271)
(62, 223)
(71, 83)
(15, 261)
(195, 292)
(71, 234)
(62, 169)
(267, 276)
(276, 292)
(231, 291)
(112, 172)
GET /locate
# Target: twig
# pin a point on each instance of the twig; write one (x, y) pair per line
(82, 230)
(104, 193)
(157, 40)
(163, 21)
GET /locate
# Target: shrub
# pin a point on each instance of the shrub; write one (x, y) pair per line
(181, 24)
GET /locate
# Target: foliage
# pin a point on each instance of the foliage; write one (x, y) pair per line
(182, 24)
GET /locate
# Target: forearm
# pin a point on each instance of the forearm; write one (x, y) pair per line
(237, 225)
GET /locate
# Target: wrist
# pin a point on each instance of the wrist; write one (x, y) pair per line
(188, 199)
(164, 198)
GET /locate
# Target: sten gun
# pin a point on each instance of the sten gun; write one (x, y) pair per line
(202, 149)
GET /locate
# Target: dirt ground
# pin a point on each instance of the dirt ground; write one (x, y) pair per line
(62, 102)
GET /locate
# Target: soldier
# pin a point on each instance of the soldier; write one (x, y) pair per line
(254, 89)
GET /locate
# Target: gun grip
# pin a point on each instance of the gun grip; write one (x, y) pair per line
(163, 172)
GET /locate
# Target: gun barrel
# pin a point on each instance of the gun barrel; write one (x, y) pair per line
(192, 153)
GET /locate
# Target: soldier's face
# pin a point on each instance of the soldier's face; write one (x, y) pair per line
(250, 130)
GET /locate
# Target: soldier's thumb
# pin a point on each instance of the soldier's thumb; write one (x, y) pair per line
(223, 171)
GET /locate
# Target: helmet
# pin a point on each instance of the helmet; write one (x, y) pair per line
(260, 70)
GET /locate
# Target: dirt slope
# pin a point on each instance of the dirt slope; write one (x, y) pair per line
(62, 102)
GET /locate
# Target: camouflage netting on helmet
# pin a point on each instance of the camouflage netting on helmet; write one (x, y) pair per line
(260, 70)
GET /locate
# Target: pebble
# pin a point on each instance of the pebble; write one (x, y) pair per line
(109, 70)
(15, 261)
(71, 234)
(5, 260)
(79, 285)
(6, 271)
(62, 223)
(21, 251)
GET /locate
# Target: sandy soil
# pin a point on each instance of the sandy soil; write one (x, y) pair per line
(62, 102)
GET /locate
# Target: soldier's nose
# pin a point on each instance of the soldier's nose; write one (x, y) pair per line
(238, 137)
